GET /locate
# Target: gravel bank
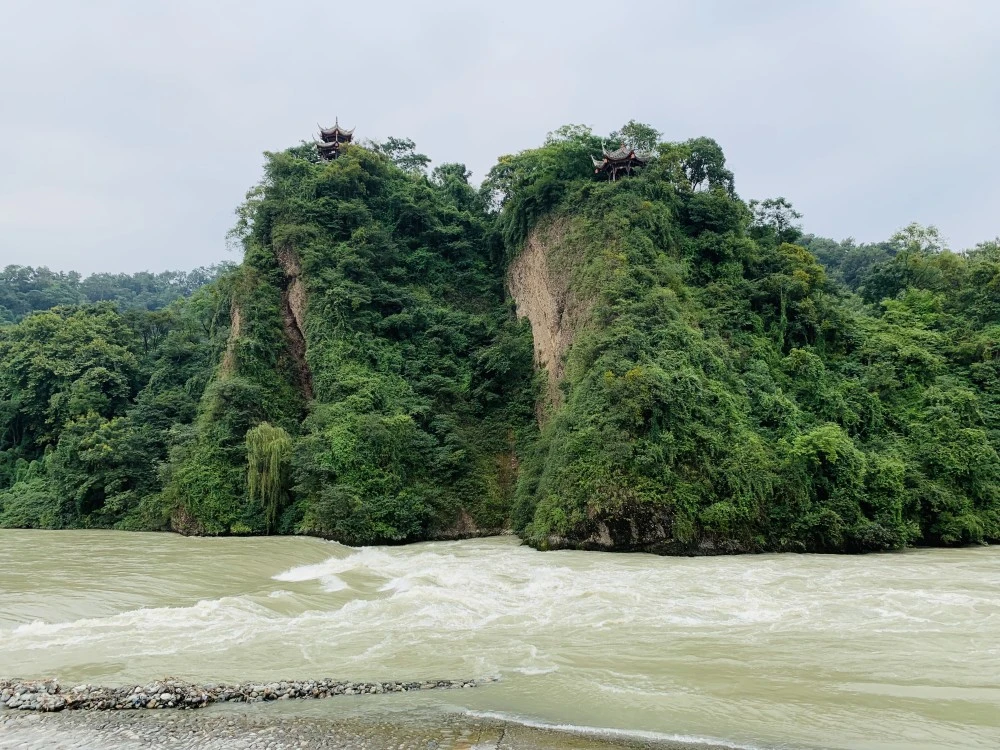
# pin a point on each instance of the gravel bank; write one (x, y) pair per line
(49, 695)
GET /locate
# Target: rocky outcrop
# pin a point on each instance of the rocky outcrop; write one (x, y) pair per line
(293, 311)
(235, 326)
(603, 540)
(464, 527)
(540, 286)
(634, 527)
(48, 695)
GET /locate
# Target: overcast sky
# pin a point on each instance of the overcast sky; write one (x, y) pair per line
(129, 131)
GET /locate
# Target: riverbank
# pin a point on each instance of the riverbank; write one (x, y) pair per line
(49, 696)
(222, 728)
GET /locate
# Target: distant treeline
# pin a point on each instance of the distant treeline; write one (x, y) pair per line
(24, 289)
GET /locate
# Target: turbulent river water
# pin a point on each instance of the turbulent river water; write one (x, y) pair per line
(882, 652)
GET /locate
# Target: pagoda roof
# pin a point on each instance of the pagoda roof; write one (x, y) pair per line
(335, 129)
(622, 153)
(621, 160)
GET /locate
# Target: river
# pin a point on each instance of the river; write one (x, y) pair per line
(878, 652)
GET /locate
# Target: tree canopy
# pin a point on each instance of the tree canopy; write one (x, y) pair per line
(733, 383)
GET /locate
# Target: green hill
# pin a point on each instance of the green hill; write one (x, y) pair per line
(706, 378)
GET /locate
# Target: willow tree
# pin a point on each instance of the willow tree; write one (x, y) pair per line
(269, 454)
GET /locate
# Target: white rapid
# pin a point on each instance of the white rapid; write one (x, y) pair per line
(883, 652)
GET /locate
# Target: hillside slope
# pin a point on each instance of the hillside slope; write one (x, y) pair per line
(373, 334)
(710, 390)
(646, 364)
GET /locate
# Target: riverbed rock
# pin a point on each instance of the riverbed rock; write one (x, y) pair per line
(48, 695)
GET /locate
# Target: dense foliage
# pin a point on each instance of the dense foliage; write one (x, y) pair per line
(732, 384)
(411, 382)
(725, 393)
(90, 399)
(24, 289)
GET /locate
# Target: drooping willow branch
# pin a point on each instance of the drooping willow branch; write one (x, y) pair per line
(269, 453)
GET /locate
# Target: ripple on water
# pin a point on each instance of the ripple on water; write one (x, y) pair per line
(885, 651)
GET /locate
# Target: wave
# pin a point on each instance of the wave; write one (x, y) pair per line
(612, 732)
(208, 620)
(652, 642)
(502, 584)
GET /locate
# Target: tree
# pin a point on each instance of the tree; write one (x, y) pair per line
(402, 152)
(917, 238)
(446, 173)
(699, 164)
(24, 289)
(63, 364)
(269, 455)
(775, 217)
(717, 393)
(637, 135)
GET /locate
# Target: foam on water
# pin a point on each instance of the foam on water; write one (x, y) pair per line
(163, 630)
(888, 651)
(609, 732)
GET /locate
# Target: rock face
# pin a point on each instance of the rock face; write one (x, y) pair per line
(293, 311)
(48, 695)
(554, 284)
(235, 328)
(540, 286)
(639, 528)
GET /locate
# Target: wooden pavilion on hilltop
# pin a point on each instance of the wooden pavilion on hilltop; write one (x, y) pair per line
(622, 160)
(331, 140)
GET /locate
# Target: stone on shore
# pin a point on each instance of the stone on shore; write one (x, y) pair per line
(48, 695)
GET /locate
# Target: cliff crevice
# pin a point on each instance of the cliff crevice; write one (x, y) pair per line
(293, 307)
(235, 327)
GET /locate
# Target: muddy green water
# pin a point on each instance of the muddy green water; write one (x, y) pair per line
(883, 652)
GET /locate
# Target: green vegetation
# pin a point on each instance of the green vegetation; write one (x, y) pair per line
(731, 385)
(725, 393)
(269, 454)
(90, 399)
(24, 289)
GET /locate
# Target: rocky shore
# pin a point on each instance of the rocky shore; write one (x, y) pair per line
(49, 695)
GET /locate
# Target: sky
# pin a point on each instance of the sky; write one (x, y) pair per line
(130, 131)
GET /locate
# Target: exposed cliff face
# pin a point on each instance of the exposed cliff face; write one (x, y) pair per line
(565, 265)
(466, 527)
(539, 282)
(369, 324)
(638, 528)
(293, 310)
(235, 328)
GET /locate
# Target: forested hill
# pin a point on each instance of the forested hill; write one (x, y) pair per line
(650, 363)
